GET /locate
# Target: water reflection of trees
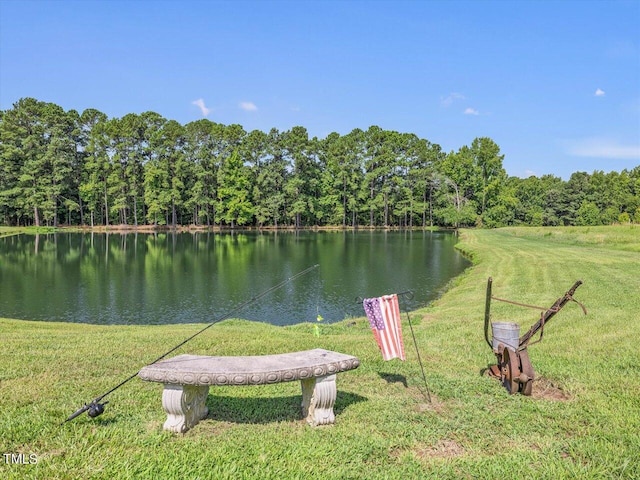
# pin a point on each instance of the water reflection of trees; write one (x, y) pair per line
(171, 277)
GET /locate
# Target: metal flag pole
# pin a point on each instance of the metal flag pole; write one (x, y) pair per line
(409, 295)
(415, 343)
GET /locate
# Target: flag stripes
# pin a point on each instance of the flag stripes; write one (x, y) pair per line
(384, 317)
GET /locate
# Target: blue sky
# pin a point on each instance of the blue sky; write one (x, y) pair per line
(556, 84)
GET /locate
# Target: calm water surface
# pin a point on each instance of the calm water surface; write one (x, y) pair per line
(165, 278)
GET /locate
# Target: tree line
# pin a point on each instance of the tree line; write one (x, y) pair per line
(64, 167)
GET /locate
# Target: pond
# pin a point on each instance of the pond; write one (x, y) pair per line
(164, 278)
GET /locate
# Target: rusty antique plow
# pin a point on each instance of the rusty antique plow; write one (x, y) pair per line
(513, 366)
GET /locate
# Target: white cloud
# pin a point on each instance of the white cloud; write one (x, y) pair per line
(447, 101)
(203, 108)
(599, 93)
(603, 148)
(530, 173)
(471, 111)
(248, 106)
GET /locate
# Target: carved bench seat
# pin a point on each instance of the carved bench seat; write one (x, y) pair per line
(187, 379)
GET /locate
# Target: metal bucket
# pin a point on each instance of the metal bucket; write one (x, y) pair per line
(506, 333)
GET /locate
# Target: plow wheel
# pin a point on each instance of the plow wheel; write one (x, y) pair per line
(510, 371)
(528, 373)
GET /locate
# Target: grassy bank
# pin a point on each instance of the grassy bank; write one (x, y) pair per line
(582, 421)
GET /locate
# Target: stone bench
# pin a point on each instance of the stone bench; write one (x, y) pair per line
(187, 379)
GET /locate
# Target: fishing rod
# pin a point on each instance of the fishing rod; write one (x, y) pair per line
(95, 408)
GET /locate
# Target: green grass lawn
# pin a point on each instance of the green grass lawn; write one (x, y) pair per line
(583, 420)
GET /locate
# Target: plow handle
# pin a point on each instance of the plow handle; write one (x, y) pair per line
(487, 313)
(546, 316)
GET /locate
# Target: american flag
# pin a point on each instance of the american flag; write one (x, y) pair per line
(384, 317)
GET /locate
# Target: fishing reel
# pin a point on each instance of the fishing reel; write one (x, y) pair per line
(96, 409)
(93, 409)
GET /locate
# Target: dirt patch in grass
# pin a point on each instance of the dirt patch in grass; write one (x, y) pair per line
(445, 448)
(422, 405)
(545, 389)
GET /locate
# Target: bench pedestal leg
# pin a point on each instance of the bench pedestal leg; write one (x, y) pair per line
(185, 406)
(318, 398)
